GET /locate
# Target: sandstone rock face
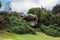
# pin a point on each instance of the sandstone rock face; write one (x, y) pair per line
(31, 19)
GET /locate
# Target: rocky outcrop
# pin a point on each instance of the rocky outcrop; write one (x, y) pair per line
(3, 22)
(30, 19)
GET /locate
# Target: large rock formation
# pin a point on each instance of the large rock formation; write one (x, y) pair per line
(30, 19)
(3, 21)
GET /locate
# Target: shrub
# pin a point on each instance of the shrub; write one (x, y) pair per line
(52, 30)
(19, 26)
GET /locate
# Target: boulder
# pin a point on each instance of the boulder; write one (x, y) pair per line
(31, 19)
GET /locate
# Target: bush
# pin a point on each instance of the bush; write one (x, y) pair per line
(19, 26)
(52, 30)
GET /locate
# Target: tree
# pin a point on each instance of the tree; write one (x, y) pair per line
(34, 11)
(7, 7)
(56, 9)
(0, 5)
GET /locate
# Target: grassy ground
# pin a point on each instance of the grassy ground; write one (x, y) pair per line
(39, 36)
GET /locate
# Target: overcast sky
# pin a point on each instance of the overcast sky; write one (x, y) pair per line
(25, 5)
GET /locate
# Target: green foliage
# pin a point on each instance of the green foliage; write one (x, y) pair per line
(53, 30)
(51, 23)
(19, 26)
(14, 13)
(38, 36)
(34, 11)
(57, 19)
(46, 19)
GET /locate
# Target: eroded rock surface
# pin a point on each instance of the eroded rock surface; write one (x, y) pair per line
(30, 19)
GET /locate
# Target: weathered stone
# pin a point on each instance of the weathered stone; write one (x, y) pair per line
(31, 19)
(3, 22)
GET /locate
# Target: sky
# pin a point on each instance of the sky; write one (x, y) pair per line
(25, 5)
